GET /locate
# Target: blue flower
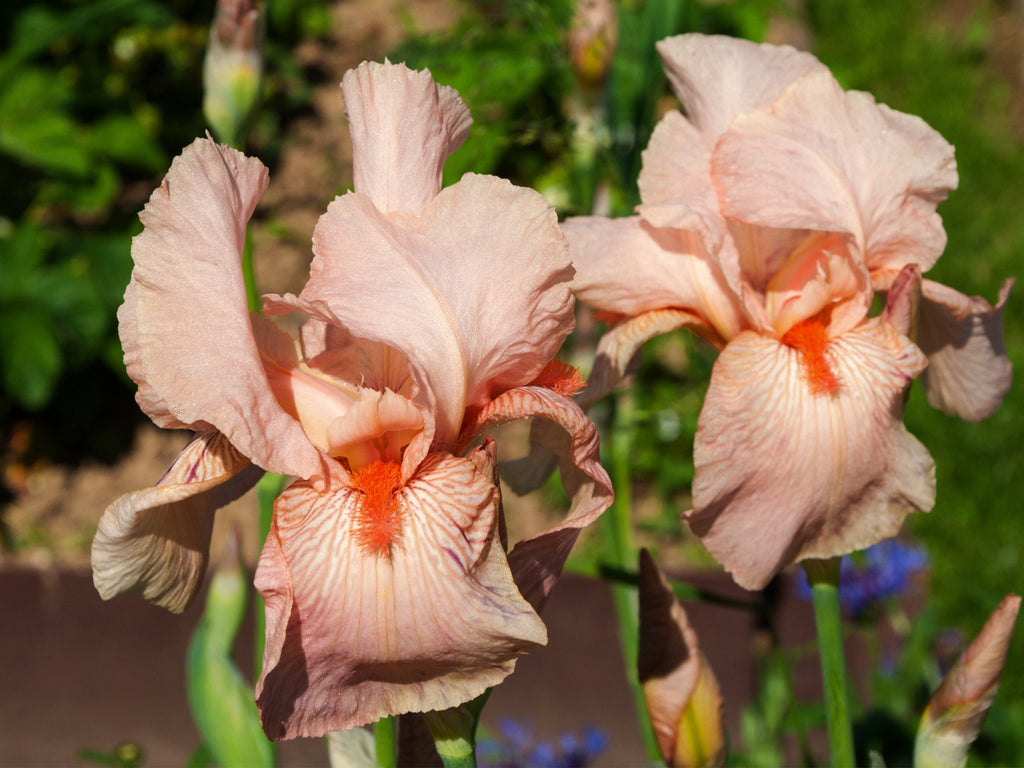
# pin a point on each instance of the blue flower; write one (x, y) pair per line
(515, 748)
(869, 578)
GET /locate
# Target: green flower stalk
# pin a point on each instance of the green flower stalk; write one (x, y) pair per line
(233, 69)
(454, 732)
(953, 718)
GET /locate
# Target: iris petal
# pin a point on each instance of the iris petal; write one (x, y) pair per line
(784, 474)
(352, 637)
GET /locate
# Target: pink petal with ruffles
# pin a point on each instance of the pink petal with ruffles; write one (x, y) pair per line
(537, 560)
(475, 291)
(185, 322)
(718, 78)
(404, 126)
(820, 274)
(666, 269)
(354, 636)
(969, 372)
(784, 473)
(155, 543)
(619, 345)
(367, 373)
(378, 426)
(836, 161)
(616, 351)
(675, 181)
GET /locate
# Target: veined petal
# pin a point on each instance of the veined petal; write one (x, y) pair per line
(836, 161)
(666, 268)
(616, 351)
(784, 474)
(718, 78)
(353, 636)
(969, 372)
(477, 290)
(620, 344)
(185, 322)
(404, 126)
(537, 560)
(155, 543)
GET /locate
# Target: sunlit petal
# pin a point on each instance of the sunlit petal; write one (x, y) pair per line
(675, 181)
(784, 473)
(819, 275)
(718, 78)
(477, 293)
(620, 344)
(404, 126)
(155, 543)
(831, 160)
(666, 268)
(353, 635)
(537, 560)
(185, 322)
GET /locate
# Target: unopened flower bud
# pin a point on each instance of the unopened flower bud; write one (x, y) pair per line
(953, 718)
(592, 40)
(681, 692)
(233, 68)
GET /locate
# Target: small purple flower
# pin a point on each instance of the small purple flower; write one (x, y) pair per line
(880, 572)
(515, 748)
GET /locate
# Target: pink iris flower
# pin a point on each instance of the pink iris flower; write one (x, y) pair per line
(431, 314)
(771, 214)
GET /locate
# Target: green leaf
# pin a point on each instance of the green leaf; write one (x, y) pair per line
(91, 196)
(30, 354)
(34, 128)
(221, 700)
(126, 140)
(21, 253)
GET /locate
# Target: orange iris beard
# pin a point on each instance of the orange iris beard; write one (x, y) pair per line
(378, 523)
(810, 339)
(561, 378)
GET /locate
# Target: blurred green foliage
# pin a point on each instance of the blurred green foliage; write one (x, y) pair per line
(96, 96)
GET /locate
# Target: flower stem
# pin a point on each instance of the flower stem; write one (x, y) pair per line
(268, 489)
(454, 732)
(249, 275)
(385, 742)
(622, 554)
(823, 576)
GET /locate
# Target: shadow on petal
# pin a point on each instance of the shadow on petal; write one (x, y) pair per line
(155, 543)
(353, 635)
